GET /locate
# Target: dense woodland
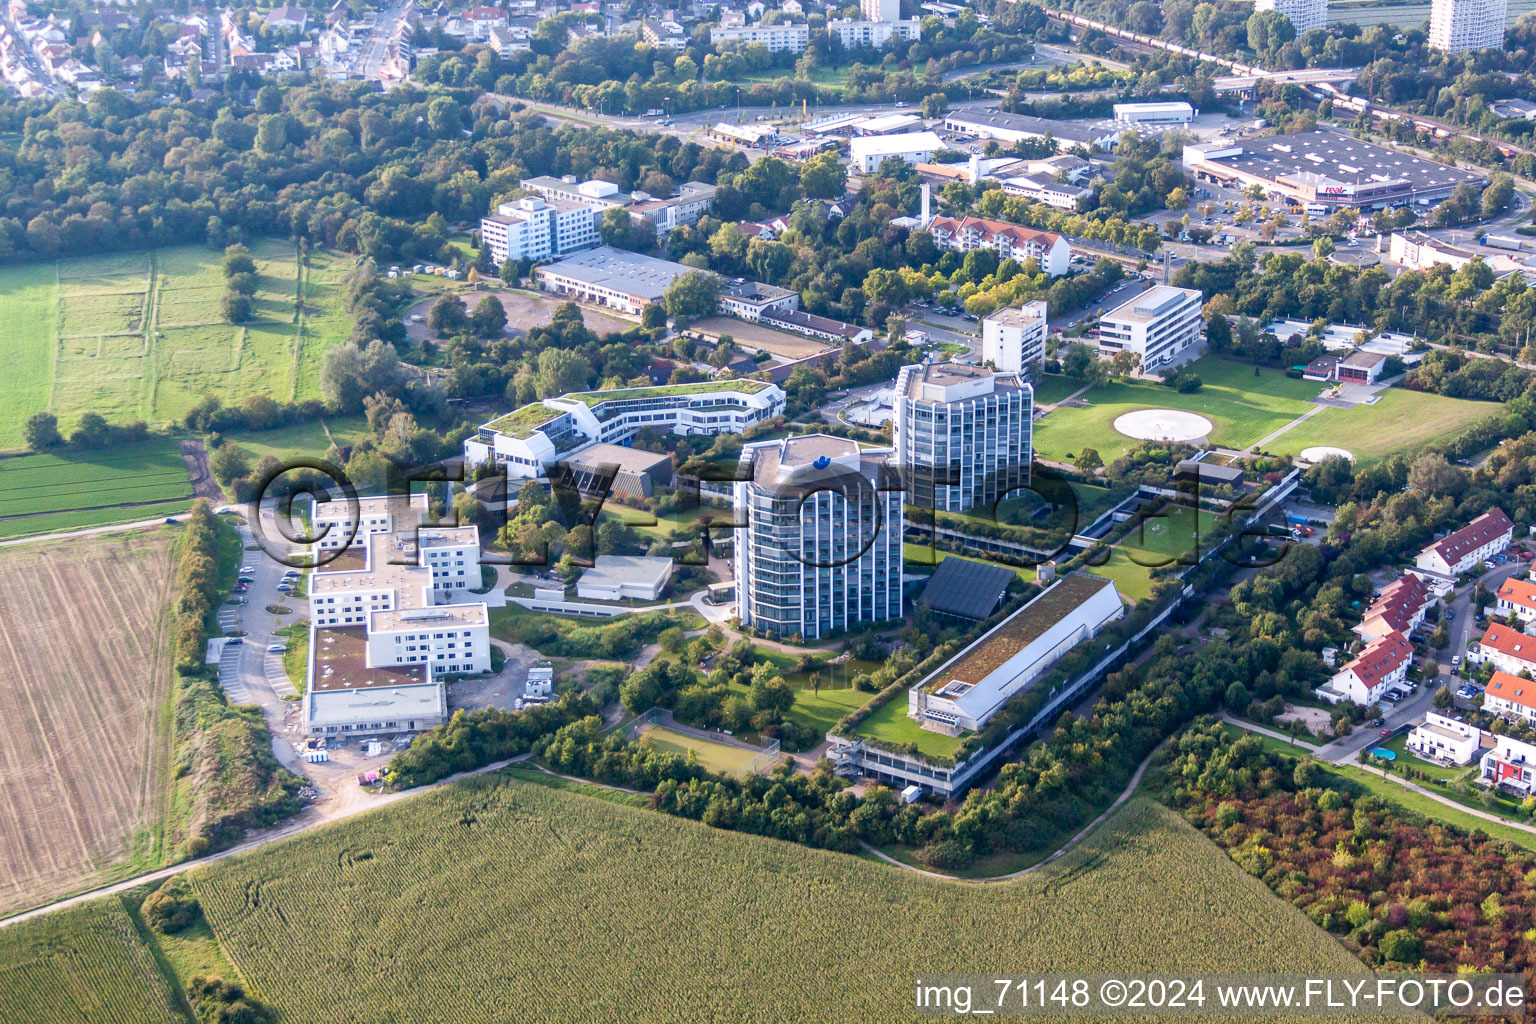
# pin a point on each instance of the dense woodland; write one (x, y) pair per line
(1395, 888)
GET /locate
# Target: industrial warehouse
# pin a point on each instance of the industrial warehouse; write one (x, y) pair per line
(1326, 169)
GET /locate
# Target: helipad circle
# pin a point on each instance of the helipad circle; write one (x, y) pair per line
(1163, 425)
(1318, 453)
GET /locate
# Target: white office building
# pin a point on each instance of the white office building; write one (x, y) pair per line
(1173, 112)
(528, 440)
(383, 637)
(1457, 25)
(1305, 15)
(966, 691)
(342, 524)
(784, 36)
(962, 435)
(533, 228)
(868, 152)
(821, 547)
(1013, 339)
(1157, 325)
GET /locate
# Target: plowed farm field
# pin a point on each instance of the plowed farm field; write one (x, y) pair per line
(85, 679)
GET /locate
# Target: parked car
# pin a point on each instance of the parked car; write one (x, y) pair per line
(276, 648)
(1386, 732)
(1373, 723)
(247, 568)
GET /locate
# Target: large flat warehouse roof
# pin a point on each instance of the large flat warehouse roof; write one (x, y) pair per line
(1333, 156)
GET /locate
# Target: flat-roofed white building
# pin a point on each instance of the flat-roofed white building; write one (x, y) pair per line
(966, 691)
(533, 228)
(1445, 739)
(341, 524)
(1304, 15)
(528, 440)
(1013, 339)
(1157, 325)
(852, 34)
(616, 278)
(624, 577)
(785, 36)
(1176, 112)
(821, 547)
(962, 435)
(1457, 25)
(380, 643)
(868, 152)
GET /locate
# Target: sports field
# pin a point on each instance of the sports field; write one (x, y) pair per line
(139, 335)
(84, 694)
(47, 492)
(1401, 422)
(719, 757)
(1242, 407)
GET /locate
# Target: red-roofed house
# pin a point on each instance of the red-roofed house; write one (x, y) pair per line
(1009, 241)
(1487, 535)
(1510, 764)
(1400, 606)
(1518, 598)
(1510, 695)
(1506, 649)
(480, 20)
(1383, 664)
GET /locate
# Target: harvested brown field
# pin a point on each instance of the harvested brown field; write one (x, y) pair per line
(85, 674)
(784, 344)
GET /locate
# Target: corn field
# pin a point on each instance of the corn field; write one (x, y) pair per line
(499, 900)
(86, 964)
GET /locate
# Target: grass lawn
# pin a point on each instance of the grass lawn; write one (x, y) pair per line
(139, 335)
(1052, 388)
(820, 74)
(301, 440)
(922, 554)
(1242, 408)
(44, 492)
(1402, 421)
(653, 525)
(890, 723)
(1151, 544)
(718, 757)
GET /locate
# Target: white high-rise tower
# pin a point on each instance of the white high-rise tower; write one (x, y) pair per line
(880, 10)
(962, 435)
(1457, 25)
(1304, 14)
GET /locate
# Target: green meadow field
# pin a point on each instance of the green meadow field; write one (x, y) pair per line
(46, 492)
(139, 335)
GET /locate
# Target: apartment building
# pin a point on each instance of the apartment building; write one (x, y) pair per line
(1487, 535)
(1400, 607)
(1445, 739)
(533, 228)
(880, 10)
(962, 435)
(855, 33)
(784, 36)
(383, 637)
(1457, 25)
(1518, 598)
(1009, 241)
(1506, 649)
(1380, 666)
(526, 441)
(820, 550)
(1510, 696)
(1013, 339)
(1157, 325)
(1305, 15)
(1509, 764)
